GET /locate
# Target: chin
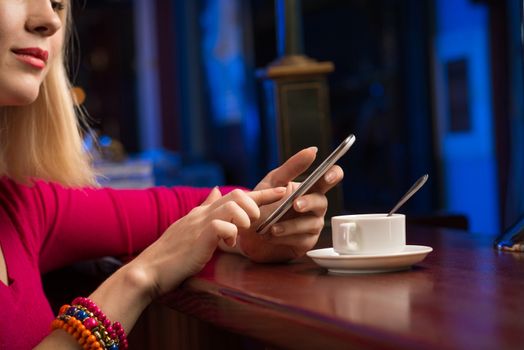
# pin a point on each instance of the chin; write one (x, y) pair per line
(26, 100)
(19, 99)
(20, 92)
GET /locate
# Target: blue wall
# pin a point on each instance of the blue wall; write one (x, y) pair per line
(467, 157)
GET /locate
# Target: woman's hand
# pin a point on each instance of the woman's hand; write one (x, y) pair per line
(188, 244)
(298, 230)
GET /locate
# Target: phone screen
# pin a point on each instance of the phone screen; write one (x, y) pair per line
(307, 183)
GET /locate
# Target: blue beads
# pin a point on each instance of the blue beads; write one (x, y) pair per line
(113, 347)
(81, 315)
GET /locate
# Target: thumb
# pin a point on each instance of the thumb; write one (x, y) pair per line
(212, 196)
(293, 167)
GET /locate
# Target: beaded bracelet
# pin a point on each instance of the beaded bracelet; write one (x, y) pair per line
(90, 326)
(91, 323)
(75, 327)
(115, 330)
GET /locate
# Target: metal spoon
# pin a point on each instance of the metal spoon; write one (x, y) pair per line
(416, 186)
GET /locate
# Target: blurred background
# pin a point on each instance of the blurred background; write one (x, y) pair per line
(178, 94)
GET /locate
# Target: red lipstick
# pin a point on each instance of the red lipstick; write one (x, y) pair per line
(32, 56)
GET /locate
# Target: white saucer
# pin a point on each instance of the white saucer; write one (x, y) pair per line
(343, 264)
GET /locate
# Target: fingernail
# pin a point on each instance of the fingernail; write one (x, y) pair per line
(279, 189)
(300, 203)
(277, 229)
(314, 148)
(330, 177)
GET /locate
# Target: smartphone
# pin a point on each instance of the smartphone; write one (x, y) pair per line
(307, 183)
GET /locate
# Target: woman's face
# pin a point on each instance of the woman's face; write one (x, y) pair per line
(31, 39)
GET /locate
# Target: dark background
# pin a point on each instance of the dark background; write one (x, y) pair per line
(384, 89)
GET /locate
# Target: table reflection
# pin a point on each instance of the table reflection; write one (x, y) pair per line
(367, 299)
(463, 295)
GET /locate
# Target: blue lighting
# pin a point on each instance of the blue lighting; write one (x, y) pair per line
(230, 86)
(468, 157)
(223, 60)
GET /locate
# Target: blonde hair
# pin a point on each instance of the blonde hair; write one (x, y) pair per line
(43, 140)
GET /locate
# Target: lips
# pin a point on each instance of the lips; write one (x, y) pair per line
(33, 56)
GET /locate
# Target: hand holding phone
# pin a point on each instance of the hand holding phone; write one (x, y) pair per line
(307, 183)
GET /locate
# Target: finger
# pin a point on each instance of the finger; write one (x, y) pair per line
(267, 196)
(310, 225)
(226, 231)
(245, 202)
(316, 203)
(331, 178)
(291, 187)
(292, 168)
(249, 201)
(212, 196)
(233, 213)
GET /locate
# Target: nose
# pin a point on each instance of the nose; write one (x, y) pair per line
(42, 19)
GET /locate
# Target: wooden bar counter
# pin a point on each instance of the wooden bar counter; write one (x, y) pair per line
(464, 295)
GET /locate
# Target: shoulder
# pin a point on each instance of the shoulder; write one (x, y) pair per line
(24, 200)
(12, 192)
(34, 196)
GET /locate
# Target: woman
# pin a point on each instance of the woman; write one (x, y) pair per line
(52, 213)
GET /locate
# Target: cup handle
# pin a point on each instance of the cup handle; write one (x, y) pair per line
(349, 230)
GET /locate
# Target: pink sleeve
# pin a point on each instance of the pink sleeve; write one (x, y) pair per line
(89, 223)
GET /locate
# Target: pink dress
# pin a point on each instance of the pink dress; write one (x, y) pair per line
(47, 226)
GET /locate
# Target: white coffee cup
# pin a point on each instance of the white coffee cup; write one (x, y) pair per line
(368, 234)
